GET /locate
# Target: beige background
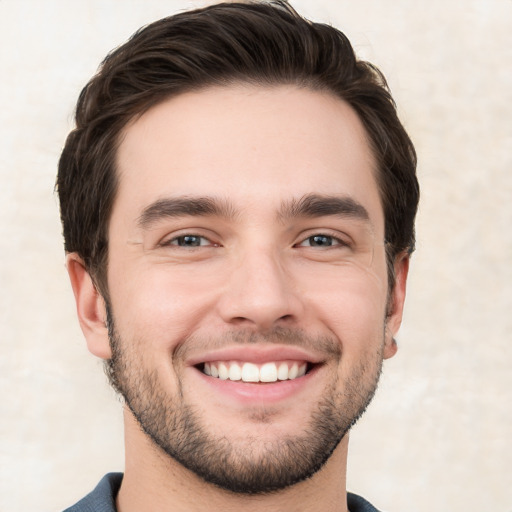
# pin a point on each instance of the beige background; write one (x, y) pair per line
(438, 435)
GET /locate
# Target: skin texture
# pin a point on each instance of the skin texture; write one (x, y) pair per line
(263, 171)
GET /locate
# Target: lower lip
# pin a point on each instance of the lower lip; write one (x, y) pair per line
(248, 392)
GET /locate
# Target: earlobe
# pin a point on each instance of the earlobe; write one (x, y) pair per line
(90, 307)
(396, 304)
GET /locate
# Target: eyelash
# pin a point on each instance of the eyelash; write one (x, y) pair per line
(175, 241)
(334, 241)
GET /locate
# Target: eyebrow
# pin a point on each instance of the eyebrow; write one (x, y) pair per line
(184, 206)
(311, 205)
(315, 205)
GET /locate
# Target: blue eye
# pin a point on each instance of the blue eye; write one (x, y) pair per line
(321, 241)
(190, 241)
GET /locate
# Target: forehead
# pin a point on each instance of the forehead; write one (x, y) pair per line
(257, 146)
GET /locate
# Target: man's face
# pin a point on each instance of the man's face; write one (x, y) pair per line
(247, 280)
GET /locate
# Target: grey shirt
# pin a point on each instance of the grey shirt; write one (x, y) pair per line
(103, 498)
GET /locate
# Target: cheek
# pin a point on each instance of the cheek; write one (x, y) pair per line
(161, 305)
(351, 302)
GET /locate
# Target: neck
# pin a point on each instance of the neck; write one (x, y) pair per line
(155, 482)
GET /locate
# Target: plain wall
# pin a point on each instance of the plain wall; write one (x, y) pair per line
(438, 435)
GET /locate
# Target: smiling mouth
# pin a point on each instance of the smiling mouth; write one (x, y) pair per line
(250, 372)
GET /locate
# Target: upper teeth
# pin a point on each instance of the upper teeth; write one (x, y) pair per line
(249, 372)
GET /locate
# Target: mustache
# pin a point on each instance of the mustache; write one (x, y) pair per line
(328, 345)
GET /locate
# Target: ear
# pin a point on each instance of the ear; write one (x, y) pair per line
(90, 307)
(396, 304)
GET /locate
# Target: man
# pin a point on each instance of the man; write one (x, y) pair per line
(238, 202)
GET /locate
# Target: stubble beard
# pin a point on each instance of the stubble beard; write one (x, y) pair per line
(251, 467)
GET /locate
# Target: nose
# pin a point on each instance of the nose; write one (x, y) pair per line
(260, 293)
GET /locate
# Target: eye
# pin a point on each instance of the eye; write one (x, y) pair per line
(321, 240)
(190, 241)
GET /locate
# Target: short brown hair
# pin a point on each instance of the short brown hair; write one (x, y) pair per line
(261, 43)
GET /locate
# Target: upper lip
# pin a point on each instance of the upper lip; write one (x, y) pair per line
(256, 354)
